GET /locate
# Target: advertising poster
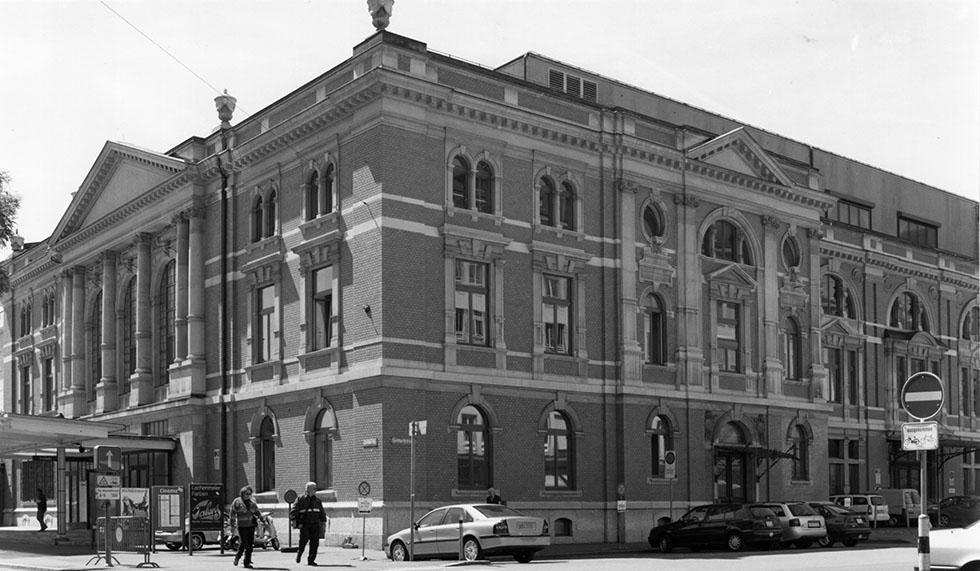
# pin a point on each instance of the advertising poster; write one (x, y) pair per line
(168, 508)
(206, 505)
(135, 502)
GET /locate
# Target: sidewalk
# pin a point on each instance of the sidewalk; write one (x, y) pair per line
(72, 557)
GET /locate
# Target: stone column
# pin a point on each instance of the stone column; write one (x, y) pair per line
(819, 389)
(180, 319)
(66, 329)
(195, 286)
(141, 383)
(107, 390)
(632, 354)
(772, 365)
(690, 347)
(77, 402)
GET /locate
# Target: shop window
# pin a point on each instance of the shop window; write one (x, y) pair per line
(265, 462)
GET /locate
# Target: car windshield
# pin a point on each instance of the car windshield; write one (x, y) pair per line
(834, 509)
(497, 510)
(801, 509)
(759, 511)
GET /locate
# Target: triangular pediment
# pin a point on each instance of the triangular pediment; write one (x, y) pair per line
(120, 174)
(732, 274)
(737, 151)
(839, 326)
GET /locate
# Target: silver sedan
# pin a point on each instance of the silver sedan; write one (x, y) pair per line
(487, 529)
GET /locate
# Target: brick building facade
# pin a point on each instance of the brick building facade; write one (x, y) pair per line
(563, 275)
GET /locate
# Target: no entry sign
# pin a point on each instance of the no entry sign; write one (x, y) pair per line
(923, 396)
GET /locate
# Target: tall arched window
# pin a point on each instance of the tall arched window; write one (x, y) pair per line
(484, 187)
(271, 205)
(95, 341)
(654, 331)
(724, 241)
(128, 345)
(559, 453)
(791, 349)
(546, 202)
(800, 449)
(835, 298)
(661, 440)
(461, 182)
(321, 452)
(167, 336)
(313, 196)
(472, 450)
(971, 325)
(327, 187)
(907, 313)
(26, 319)
(791, 252)
(265, 463)
(566, 207)
(257, 219)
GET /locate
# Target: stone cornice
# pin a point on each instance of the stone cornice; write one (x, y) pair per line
(903, 267)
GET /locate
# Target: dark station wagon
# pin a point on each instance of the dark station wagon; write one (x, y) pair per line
(729, 526)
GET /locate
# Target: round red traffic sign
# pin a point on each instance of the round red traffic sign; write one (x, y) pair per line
(923, 395)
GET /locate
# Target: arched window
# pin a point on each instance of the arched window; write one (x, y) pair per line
(724, 241)
(313, 196)
(546, 202)
(257, 219)
(907, 313)
(653, 222)
(563, 527)
(791, 349)
(472, 450)
(461, 182)
(835, 298)
(265, 463)
(661, 440)
(800, 449)
(654, 331)
(95, 341)
(128, 345)
(270, 214)
(791, 253)
(566, 206)
(26, 319)
(971, 324)
(484, 187)
(166, 337)
(327, 196)
(321, 452)
(559, 453)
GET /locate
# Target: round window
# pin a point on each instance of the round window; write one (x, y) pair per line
(791, 253)
(653, 223)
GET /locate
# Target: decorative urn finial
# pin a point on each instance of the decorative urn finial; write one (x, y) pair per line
(380, 12)
(226, 106)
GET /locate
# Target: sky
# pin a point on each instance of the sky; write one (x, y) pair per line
(891, 83)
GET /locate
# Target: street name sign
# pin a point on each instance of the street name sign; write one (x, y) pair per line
(923, 395)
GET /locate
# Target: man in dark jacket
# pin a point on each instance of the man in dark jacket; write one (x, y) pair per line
(309, 517)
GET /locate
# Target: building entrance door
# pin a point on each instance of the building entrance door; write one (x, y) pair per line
(730, 466)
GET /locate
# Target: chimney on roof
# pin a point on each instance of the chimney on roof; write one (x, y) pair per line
(226, 107)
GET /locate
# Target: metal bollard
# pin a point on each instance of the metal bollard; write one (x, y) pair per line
(924, 543)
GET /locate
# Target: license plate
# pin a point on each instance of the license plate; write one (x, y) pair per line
(813, 524)
(768, 523)
(860, 520)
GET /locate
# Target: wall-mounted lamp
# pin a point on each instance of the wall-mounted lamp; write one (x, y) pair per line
(367, 309)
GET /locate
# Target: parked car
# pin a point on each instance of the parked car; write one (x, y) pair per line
(178, 539)
(801, 524)
(872, 505)
(488, 529)
(955, 511)
(903, 505)
(954, 548)
(843, 525)
(732, 526)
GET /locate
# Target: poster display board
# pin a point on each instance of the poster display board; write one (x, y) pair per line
(206, 502)
(168, 504)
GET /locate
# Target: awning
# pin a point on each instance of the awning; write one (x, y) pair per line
(23, 433)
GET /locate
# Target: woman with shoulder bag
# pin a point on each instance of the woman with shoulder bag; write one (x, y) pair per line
(244, 516)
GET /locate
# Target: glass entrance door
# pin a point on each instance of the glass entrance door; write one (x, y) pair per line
(730, 477)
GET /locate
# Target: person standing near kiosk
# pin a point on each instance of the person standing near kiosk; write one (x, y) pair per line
(309, 517)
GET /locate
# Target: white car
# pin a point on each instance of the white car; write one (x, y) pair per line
(487, 529)
(957, 548)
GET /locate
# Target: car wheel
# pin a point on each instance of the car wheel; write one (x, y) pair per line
(197, 542)
(850, 542)
(275, 543)
(471, 549)
(803, 543)
(399, 552)
(665, 545)
(944, 521)
(172, 546)
(825, 541)
(524, 556)
(735, 542)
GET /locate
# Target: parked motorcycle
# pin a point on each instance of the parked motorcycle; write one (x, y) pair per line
(265, 535)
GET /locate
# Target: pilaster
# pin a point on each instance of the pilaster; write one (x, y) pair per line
(141, 382)
(107, 390)
(772, 365)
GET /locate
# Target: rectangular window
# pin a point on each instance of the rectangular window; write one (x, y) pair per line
(48, 390)
(853, 214)
(976, 393)
(919, 233)
(321, 304)
(835, 374)
(729, 336)
(852, 377)
(472, 295)
(836, 474)
(264, 323)
(26, 391)
(965, 391)
(556, 312)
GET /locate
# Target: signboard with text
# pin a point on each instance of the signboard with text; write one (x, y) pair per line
(168, 507)
(206, 503)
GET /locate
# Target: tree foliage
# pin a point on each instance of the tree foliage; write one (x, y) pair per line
(9, 203)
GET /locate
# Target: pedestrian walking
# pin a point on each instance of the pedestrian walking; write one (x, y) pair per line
(309, 517)
(493, 497)
(42, 508)
(244, 517)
